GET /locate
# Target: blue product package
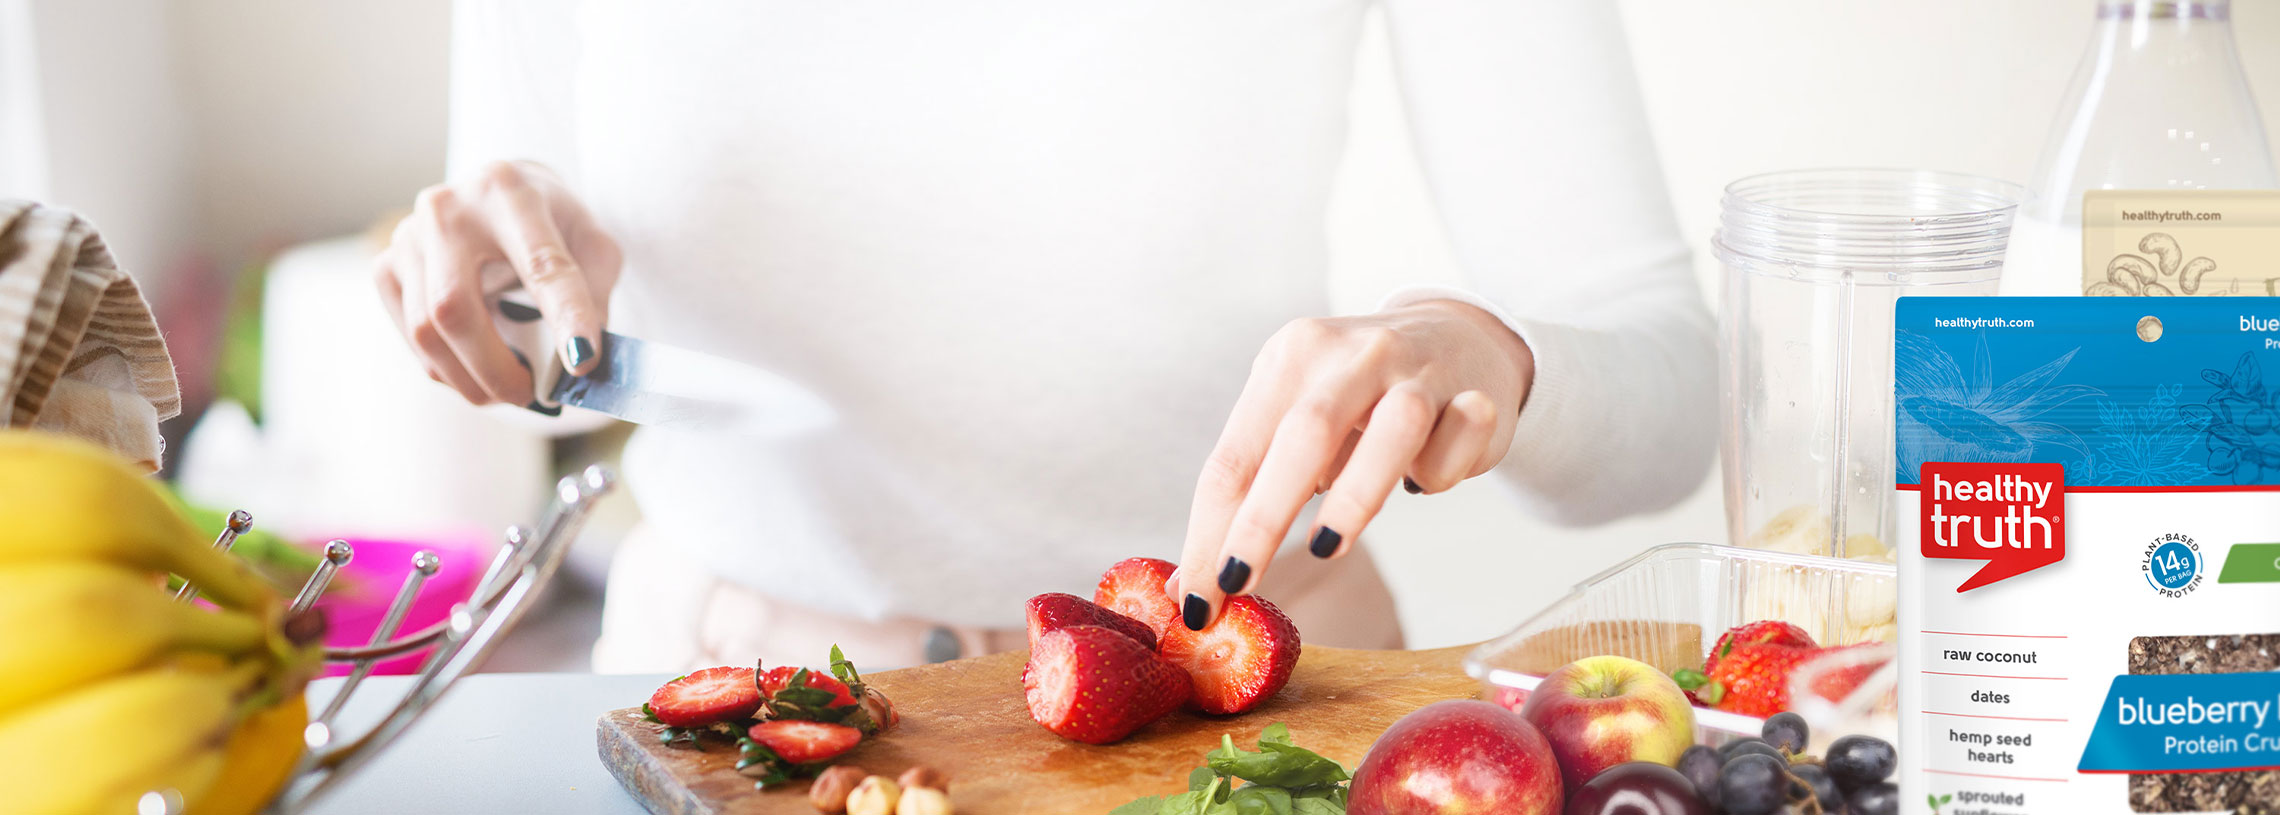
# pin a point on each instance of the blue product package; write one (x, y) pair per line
(2089, 495)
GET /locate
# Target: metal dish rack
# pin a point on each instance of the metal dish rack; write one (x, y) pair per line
(525, 562)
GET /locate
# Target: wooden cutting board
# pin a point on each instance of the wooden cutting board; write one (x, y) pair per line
(967, 719)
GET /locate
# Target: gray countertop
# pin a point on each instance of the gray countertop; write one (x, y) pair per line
(496, 743)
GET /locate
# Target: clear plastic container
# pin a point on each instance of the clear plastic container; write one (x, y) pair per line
(1668, 605)
(1814, 261)
(1872, 708)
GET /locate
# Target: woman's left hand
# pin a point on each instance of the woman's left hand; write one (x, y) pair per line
(1346, 407)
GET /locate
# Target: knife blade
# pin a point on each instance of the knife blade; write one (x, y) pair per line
(654, 384)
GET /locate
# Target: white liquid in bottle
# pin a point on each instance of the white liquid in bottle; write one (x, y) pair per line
(2159, 102)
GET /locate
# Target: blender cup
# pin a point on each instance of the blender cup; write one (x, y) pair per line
(1814, 261)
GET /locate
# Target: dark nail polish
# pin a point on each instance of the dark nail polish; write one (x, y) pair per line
(578, 351)
(1234, 576)
(1326, 542)
(1410, 484)
(1195, 612)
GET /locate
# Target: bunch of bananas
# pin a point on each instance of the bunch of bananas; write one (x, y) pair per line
(109, 689)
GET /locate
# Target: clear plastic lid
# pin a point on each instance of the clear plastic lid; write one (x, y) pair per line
(1668, 605)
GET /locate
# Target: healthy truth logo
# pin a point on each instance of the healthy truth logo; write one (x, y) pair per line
(2011, 515)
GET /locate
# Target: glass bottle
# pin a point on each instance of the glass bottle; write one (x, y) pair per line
(2159, 102)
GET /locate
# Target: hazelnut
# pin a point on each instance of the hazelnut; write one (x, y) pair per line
(880, 710)
(924, 801)
(877, 795)
(924, 776)
(830, 790)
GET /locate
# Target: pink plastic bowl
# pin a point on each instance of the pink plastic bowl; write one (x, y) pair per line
(360, 594)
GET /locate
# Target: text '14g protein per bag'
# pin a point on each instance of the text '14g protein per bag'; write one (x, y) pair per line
(2089, 494)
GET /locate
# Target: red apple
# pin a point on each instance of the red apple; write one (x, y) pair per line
(1463, 757)
(1601, 711)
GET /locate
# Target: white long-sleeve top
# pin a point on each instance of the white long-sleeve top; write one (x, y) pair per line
(1027, 250)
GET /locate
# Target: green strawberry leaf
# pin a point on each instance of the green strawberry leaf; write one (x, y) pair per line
(844, 671)
(1710, 694)
(650, 715)
(1689, 678)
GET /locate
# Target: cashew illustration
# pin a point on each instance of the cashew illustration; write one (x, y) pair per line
(2130, 272)
(2105, 289)
(2163, 248)
(2190, 278)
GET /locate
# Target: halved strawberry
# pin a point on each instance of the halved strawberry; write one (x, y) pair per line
(1762, 632)
(1238, 661)
(1096, 686)
(780, 677)
(1135, 589)
(803, 742)
(705, 697)
(1052, 612)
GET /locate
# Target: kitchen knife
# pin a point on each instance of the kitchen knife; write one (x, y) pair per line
(652, 384)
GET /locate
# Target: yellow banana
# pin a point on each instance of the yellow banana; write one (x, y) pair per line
(66, 499)
(195, 775)
(90, 749)
(70, 622)
(257, 761)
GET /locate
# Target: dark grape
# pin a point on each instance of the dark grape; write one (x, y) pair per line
(1818, 782)
(1787, 731)
(1753, 784)
(1741, 747)
(1880, 798)
(1858, 761)
(1636, 788)
(1700, 765)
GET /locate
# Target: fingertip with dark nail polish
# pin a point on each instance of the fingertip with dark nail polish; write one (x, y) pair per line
(1325, 542)
(1410, 484)
(1234, 576)
(577, 351)
(1195, 613)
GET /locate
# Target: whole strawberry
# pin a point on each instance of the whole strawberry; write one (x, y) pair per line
(1762, 632)
(1753, 680)
(1094, 685)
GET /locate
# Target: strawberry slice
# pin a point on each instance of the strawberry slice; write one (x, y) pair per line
(780, 677)
(1238, 661)
(1135, 589)
(1762, 632)
(1052, 612)
(1838, 684)
(706, 697)
(1095, 685)
(799, 741)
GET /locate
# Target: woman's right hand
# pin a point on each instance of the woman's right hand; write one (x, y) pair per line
(431, 278)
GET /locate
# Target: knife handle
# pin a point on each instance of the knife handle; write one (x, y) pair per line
(532, 341)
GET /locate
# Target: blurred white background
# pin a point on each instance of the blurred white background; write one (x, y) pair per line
(204, 136)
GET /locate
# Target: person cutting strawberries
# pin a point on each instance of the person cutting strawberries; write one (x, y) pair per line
(1047, 262)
